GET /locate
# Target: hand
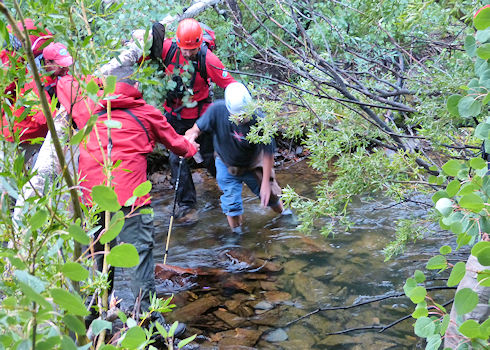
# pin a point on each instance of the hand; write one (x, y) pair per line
(265, 193)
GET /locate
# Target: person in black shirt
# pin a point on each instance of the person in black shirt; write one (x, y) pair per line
(237, 160)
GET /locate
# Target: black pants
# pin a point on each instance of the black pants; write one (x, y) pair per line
(186, 193)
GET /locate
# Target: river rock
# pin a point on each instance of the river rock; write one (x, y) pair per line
(267, 285)
(232, 305)
(276, 296)
(229, 318)
(237, 284)
(238, 338)
(311, 289)
(294, 266)
(195, 309)
(263, 305)
(276, 336)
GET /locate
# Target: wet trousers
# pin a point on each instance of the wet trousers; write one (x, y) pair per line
(186, 193)
(138, 230)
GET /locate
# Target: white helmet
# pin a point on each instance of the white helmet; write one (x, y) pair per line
(237, 98)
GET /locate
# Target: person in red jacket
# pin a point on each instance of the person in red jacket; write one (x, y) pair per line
(29, 120)
(142, 127)
(38, 38)
(182, 58)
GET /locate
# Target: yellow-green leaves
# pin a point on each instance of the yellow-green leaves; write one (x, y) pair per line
(123, 255)
(106, 198)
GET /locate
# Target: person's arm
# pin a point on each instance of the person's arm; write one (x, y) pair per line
(265, 186)
(192, 133)
(217, 71)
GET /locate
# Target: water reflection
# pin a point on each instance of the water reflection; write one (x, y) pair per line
(249, 287)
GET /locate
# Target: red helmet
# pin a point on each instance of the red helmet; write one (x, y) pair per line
(189, 34)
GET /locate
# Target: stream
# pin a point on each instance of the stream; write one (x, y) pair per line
(249, 291)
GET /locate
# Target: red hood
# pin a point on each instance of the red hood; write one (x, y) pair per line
(127, 97)
(70, 97)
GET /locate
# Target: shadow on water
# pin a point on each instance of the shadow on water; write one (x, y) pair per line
(244, 290)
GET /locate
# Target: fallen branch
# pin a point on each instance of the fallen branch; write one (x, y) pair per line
(396, 295)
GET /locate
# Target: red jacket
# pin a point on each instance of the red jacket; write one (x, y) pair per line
(216, 72)
(33, 124)
(130, 144)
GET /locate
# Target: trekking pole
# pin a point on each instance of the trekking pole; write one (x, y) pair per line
(173, 212)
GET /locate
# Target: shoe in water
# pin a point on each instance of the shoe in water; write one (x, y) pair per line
(186, 216)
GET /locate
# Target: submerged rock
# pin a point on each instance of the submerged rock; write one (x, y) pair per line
(277, 335)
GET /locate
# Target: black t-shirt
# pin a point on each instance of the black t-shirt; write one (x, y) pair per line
(229, 139)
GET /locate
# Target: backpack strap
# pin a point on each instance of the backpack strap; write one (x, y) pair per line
(201, 61)
(170, 54)
(134, 117)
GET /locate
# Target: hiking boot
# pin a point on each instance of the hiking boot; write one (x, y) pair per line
(186, 216)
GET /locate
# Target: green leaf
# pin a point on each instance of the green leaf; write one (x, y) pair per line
(113, 124)
(438, 195)
(32, 281)
(106, 198)
(470, 329)
(99, 325)
(110, 84)
(444, 206)
(419, 276)
(452, 104)
(75, 324)
(468, 106)
(472, 202)
(108, 347)
(486, 99)
(134, 338)
(420, 311)
(424, 327)
(483, 36)
(470, 45)
(123, 255)
(115, 227)
(457, 274)
(78, 234)
(142, 189)
(433, 342)
(482, 19)
(445, 250)
(72, 303)
(186, 341)
(483, 51)
(436, 263)
(477, 248)
(483, 278)
(468, 188)
(74, 271)
(67, 343)
(484, 256)
(131, 200)
(482, 131)
(409, 285)
(161, 329)
(480, 66)
(444, 324)
(417, 294)
(485, 79)
(478, 163)
(452, 167)
(465, 301)
(77, 138)
(453, 188)
(92, 87)
(38, 219)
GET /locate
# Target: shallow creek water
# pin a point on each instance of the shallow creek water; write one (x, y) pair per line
(250, 287)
